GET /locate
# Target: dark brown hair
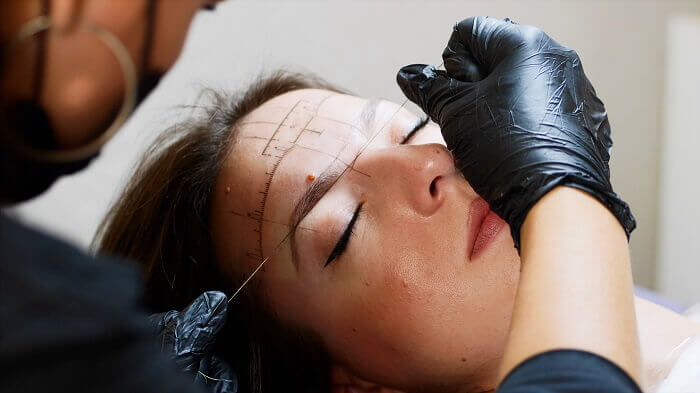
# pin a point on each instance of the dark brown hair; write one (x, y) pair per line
(161, 220)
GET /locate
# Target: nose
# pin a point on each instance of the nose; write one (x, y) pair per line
(410, 174)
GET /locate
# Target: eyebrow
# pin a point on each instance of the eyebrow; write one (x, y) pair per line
(325, 181)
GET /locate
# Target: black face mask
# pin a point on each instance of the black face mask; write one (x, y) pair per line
(147, 84)
(23, 177)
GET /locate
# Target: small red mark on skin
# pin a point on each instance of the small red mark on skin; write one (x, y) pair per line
(366, 283)
(228, 189)
(310, 177)
(354, 330)
(464, 359)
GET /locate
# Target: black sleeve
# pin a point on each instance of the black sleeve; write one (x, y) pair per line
(72, 323)
(568, 371)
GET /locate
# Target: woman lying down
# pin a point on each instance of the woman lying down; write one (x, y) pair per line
(396, 275)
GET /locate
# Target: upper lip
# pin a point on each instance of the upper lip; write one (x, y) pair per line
(478, 210)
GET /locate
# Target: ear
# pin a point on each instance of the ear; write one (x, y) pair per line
(344, 381)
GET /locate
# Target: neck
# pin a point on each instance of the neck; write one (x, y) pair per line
(663, 335)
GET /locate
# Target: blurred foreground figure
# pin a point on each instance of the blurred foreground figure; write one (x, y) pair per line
(71, 74)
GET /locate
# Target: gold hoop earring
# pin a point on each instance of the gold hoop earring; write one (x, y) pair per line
(43, 23)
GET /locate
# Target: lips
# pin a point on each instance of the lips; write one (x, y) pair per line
(483, 226)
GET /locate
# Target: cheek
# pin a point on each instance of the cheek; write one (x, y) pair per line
(432, 294)
(402, 305)
(498, 271)
(370, 324)
(428, 323)
(493, 286)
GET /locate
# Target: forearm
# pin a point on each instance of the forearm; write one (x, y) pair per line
(575, 287)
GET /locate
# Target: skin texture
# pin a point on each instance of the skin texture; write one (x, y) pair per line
(404, 306)
(588, 303)
(83, 81)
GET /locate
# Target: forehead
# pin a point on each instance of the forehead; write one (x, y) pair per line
(280, 148)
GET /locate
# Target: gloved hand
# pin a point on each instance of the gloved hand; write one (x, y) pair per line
(519, 115)
(189, 335)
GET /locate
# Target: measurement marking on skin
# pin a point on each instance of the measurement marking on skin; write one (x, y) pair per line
(254, 254)
(260, 212)
(305, 129)
(255, 216)
(281, 124)
(276, 148)
(353, 126)
(255, 137)
(258, 122)
(258, 255)
(336, 158)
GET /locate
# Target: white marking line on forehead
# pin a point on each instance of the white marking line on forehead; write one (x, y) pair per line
(291, 232)
(367, 117)
(251, 217)
(276, 155)
(325, 181)
(329, 177)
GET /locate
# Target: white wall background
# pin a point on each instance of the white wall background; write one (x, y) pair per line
(678, 264)
(360, 44)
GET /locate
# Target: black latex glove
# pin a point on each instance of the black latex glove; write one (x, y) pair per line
(189, 336)
(519, 115)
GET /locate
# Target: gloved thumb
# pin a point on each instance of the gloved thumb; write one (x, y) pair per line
(427, 87)
(188, 335)
(202, 320)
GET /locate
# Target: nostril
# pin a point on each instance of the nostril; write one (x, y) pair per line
(433, 188)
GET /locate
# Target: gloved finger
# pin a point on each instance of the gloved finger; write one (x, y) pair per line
(199, 324)
(427, 87)
(478, 44)
(217, 375)
(598, 117)
(459, 62)
(160, 321)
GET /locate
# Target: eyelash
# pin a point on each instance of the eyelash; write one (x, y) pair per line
(345, 237)
(342, 243)
(421, 123)
(209, 6)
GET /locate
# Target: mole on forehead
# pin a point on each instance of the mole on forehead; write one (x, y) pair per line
(277, 129)
(275, 138)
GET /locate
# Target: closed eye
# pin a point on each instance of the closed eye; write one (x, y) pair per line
(344, 239)
(420, 125)
(342, 243)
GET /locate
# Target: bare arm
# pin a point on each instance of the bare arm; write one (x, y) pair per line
(575, 289)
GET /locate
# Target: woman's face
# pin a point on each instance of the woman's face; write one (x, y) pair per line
(392, 262)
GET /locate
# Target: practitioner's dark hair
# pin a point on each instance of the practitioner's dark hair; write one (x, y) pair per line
(162, 221)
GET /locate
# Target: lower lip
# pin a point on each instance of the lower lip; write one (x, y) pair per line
(489, 227)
